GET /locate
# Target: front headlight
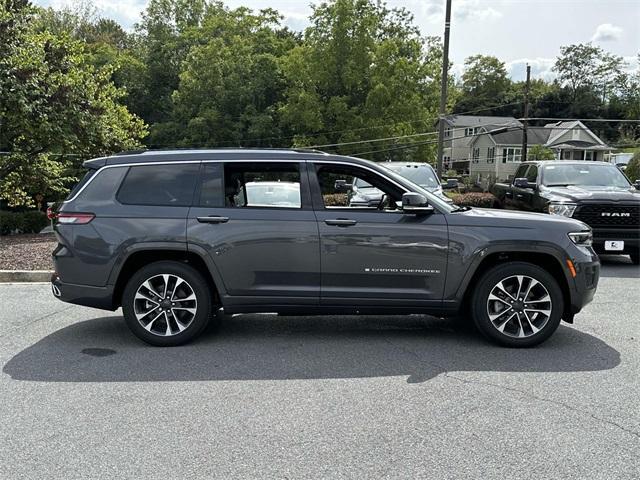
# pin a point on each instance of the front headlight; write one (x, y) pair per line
(564, 209)
(584, 238)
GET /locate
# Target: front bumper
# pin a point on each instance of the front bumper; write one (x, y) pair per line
(582, 287)
(630, 237)
(85, 295)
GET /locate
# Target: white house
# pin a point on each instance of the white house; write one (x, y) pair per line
(495, 155)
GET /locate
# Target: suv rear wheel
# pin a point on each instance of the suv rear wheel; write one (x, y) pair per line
(166, 303)
(517, 304)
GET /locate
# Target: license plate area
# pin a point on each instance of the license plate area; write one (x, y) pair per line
(614, 245)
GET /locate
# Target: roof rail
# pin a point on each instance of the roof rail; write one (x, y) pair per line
(132, 152)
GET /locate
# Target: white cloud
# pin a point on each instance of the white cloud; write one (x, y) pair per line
(607, 32)
(433, 10)
(540, 68)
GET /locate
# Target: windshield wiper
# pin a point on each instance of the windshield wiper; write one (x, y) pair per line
(560, 185)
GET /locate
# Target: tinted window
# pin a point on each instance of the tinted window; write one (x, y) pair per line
(262, 185)
(81, 183)
(520, 173)
(211, 190)
(532, 174)
(163, 185)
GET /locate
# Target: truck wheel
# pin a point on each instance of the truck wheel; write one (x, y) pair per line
(517, 304)
(166, 303)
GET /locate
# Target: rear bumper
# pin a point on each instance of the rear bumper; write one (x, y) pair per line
(85, 295)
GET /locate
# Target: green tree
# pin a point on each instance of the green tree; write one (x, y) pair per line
(485, 84)
(633, 167)
(540, 152)
(231, 83)
(362, 72)
(585, 66)
(55, 107)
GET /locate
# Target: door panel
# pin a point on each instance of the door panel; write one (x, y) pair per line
(376, 257)
(270, 254)
(383, 256)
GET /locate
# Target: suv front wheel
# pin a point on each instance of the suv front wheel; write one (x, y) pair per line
(517, 304)
(166, 303)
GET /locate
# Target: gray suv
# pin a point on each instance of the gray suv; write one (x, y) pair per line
(175, 236)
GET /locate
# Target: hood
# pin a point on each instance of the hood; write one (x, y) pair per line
(490, 217)
(578, 193)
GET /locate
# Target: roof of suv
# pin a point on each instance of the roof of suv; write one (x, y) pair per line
(564, 162)
(148, 156)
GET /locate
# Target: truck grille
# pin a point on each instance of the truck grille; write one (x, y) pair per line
(619, 216)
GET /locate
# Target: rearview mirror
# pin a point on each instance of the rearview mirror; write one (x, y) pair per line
(452, 184)
(413, 202)
(341, 186)
(523, 183)
(637, 184)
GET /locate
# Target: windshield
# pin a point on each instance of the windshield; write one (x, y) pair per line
(422, 175)
(414, 187)
(583, 175)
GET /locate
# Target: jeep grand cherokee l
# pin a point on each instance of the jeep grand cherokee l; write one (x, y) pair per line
(174, 236)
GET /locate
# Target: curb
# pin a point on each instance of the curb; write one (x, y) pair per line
(12, 276)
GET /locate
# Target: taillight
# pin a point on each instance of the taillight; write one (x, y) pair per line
(73, 218)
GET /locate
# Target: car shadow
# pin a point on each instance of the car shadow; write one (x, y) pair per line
(267, 347)
(618, 266)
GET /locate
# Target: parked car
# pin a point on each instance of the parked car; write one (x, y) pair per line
(596, 193)
(422, 174)
(174, 236)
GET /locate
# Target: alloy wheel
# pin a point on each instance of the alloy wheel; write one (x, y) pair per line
(519, 306)
(165, 305)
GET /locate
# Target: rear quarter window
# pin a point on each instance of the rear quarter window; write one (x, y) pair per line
(160, 185)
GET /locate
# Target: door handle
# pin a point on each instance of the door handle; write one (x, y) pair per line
(341, 222)
(213, 219)
(508, 194)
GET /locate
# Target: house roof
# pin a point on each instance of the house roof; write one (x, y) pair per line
(478, 120)
(535, 136)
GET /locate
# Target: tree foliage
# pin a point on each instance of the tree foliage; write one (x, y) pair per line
(55, 106)
(540, 152)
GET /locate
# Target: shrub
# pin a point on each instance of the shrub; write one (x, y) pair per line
(31, 221)
(482, 200)
(633, 168)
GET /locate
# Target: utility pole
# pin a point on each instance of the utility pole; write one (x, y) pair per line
(443, 86)
(525, 122)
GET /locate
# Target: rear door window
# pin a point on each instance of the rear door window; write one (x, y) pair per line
(161, 185)
(271, 185)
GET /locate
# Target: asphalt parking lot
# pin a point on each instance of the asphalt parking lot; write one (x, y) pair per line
(318, 397)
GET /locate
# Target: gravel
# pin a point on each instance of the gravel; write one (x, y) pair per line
(27, 252)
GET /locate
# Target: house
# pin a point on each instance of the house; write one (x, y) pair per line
(460, 130)
(495, 155)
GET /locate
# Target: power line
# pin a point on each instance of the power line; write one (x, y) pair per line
(603, 120)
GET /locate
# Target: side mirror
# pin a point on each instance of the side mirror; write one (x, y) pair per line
(637, 184)
(452, 184)
(523, 183)
(413, 202)
(341, 186)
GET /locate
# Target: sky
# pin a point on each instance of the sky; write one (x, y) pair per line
(516, 31)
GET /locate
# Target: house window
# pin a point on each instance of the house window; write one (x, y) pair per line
(566, 155)
(588, 155)
(470, 131)
(447, 132)
(491, 155)
(511, 155)
(476, 155)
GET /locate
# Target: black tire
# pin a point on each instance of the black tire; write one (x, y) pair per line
(197, 322)
(635, 257)
(509, 272)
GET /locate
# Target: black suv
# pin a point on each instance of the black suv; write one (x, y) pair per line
(174, 236)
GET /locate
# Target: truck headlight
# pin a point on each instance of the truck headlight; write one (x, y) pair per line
(583, 239)
(564, 209)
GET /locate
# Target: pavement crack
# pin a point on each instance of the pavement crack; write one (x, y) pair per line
(35, 320)
(528, 395)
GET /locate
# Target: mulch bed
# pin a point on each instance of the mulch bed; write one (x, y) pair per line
(27, 252)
